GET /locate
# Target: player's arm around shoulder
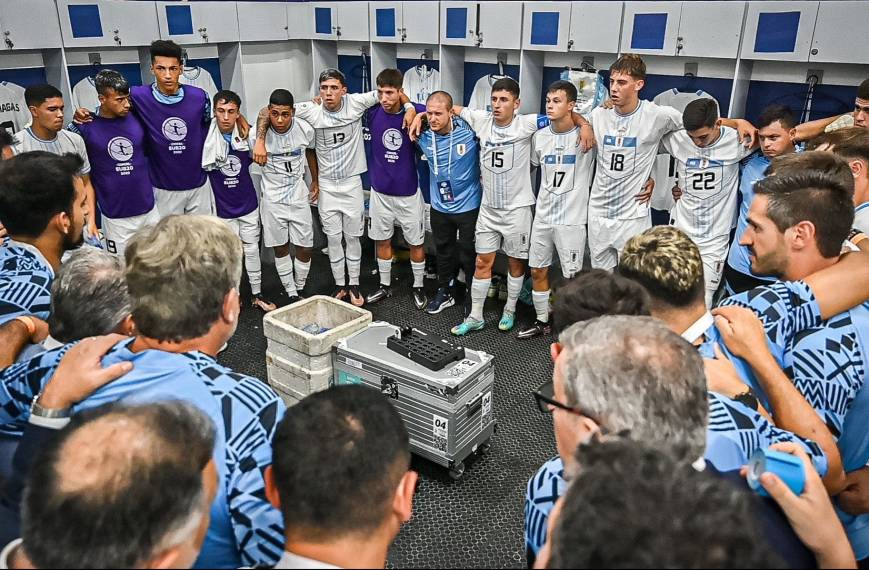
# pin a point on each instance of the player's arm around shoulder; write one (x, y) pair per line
(475, 118)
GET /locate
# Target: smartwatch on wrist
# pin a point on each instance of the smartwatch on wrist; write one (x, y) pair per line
(748, 399)
(48, 413)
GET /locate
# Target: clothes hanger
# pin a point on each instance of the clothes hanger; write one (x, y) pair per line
(688, 85)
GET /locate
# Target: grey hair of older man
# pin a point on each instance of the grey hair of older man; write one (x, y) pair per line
(636, 376)
(89, 296)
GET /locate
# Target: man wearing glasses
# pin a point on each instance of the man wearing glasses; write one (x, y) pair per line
(655, 396)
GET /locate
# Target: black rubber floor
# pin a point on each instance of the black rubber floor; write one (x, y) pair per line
(476, 521)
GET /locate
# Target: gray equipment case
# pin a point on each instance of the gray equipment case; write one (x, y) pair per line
(448, 413)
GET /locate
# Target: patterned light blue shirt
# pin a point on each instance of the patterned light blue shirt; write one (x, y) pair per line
(752, 170)
(827, 361)
(245, 529)
(25, 282)
(734, 433)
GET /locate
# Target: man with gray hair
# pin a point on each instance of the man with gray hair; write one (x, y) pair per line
(115, 141)
(183, 277)
(631, 377)
(646, 382)
(120, 487)
(88, 298)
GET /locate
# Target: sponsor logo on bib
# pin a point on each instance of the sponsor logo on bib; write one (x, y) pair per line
(175, 129)
(232, 168)
(392, 139)
(120, 149)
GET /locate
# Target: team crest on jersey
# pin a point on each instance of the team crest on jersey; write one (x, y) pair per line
(175, 129)
(392, 139)
(461, 149)
(120, 149)
(232, 167)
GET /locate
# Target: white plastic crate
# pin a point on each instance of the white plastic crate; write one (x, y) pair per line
(299, 363)
(293, 382)
(284, 326)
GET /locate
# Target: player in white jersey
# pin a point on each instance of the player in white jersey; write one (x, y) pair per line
(506, 211)
(45, 103)
(664, 172)
(337, 122)
(628, 136)
(852, 144)
(562, 202)
(13, 110)
(707, 157)
(285, 206)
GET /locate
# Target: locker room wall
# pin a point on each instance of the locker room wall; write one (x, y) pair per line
(22, 68)
(287, 64)
(131, 72)
(268, 65)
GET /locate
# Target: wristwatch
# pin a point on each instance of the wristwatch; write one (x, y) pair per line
(748, 399)
(48, 413)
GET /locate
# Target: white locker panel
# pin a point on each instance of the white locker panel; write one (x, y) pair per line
(300, 19)
(386, 22)
(198, 22)
(595, 26)
(651, 27)
(323, 24)
(262, 21)
(353, 21)
(780, 31)
(501, 25)
(840, 33)
(459, 23)
(710, 29)
(421, 22)
(107, 23)
(29, 24)
(547, 26)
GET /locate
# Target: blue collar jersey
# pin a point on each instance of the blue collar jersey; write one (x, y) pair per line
(25, 282)
(827, 361)
(752, 171)
(454, 166)
(245, 529)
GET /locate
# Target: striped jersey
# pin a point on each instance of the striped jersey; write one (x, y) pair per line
(709, 178)
(340, 152)
(65, 142)
(565, 177)
(627, 146)
(283, 176)
(505, 157)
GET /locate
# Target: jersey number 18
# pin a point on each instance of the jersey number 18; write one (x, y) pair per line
(617, 162)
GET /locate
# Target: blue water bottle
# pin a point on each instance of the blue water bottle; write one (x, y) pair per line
(789, 469)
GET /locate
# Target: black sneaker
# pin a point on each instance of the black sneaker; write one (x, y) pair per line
(382, 292)
(535, 330)
(419, 298)
(441, 301)
(294, 299)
